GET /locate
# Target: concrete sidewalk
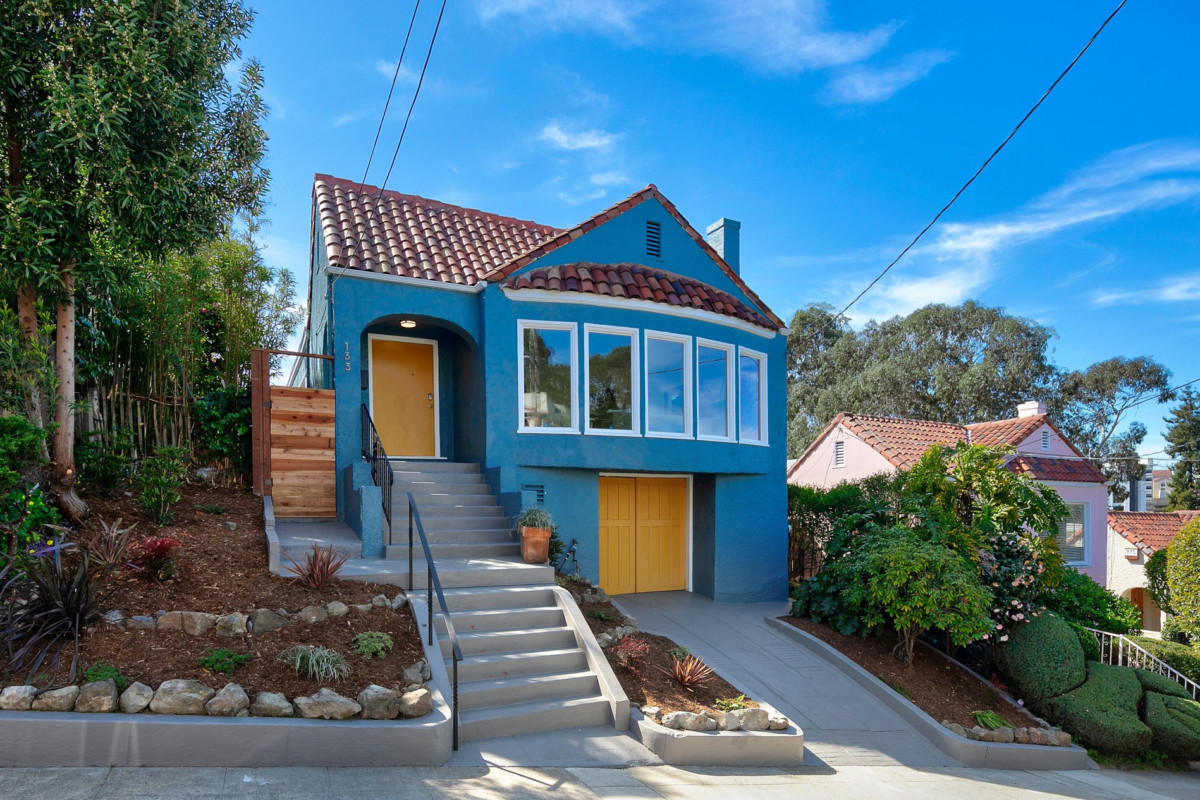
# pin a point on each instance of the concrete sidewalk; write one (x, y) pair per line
(842, 723)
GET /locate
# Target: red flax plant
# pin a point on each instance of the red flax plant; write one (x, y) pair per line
(631, 652)
(319, 567)
(690, 672)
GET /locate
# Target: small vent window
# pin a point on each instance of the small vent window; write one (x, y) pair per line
(538, 491)
(839, 455)
(1045, 440)
(653, 239)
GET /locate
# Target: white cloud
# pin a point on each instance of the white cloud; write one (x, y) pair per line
(1177, 289)
(866, 84)
(347, 118)
(611, 178)
(563, 139)
(604, 16)
(574, 198)
(387, 69)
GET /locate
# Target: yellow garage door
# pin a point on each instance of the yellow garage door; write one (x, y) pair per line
(643, 534)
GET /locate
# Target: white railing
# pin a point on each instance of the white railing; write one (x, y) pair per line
(1119, 651)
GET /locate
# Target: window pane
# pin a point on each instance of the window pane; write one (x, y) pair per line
(664, 386)
(713, 394)
(749, 370)
(1071, 538)
(547, 391)
(610, 381)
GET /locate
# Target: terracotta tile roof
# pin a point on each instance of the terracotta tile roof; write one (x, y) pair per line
(1005, 431)
(1152, 530)
(902, 441)
(415, 237)
(638, 282)
(1057, 468)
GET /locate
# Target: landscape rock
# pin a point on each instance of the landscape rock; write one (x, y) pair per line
(1021, 736)
(337, 608)
(17, 698)
(416, 703)
(381, 601)
(1037, 736)
(271, 704)
(327, 704)
(197, 623)
(954, 727)
(1059, 738)
(141, 623)
(181, 697)
(136, 698)
(1003, 736)
(312, 614)
(687, 721)
(604, 639)
(264, 620)
(229, 702)
(399, 602)
(232, 625)
(379, 703)
(56, 699)
(229, 525)
(97, 698)
(363, 607)
(752, 719)
(115, 618)
(778, 723)
(726, 721)
(171, 621)
(651, 712)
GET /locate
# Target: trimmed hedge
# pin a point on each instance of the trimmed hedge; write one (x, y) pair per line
(1153, 682)
(1103, 712)
(1091, 648)
(1044, 659)
(1180, 656)
(1176, 725)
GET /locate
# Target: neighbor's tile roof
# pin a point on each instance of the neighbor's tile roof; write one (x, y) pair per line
(638, 282)
(902, 441)
(415, 237)
(1005, 431)
(1056, 468)
(1150, 529)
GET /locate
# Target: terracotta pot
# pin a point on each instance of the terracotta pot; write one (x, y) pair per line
(535, 545)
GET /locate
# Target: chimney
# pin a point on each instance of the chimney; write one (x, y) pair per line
(1031, 408)
(725, 235)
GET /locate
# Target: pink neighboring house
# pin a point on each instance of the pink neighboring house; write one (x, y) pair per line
(855, 446)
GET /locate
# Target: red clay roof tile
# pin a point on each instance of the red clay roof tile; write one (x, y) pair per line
(1150, 529)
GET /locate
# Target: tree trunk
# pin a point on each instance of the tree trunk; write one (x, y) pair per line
(35, 400)
(62, 479)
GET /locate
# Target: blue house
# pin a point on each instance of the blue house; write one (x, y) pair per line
(619, 373)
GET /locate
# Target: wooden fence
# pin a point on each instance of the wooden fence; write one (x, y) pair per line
(293, 443)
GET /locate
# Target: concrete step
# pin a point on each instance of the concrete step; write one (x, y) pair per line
(485, 535)
(498, 547)
(456, 573)
(475, 643)
(528, 662)
(534, 717)
(418, 478)
(420, 486)
(410, 465)
(525, 689)
(454, 525)
(440, 513)
(499, 598)
(502, 619)
(427, 501)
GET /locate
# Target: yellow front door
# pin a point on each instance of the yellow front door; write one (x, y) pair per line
(643, 534)
(404, 396)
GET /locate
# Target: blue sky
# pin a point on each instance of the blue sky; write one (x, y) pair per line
(833, 131)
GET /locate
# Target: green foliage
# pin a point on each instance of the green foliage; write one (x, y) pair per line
(601, 613)
(28, 518)
(1103, 712)
(1183, 658)
(1153, 682)
(1175, 722)
(679, 652)
(104, 461)
(224, 661)
(100, 671)
(730, 703)
(535, 517)
(1183, 578)
(991, 720)
(20, 443)
(1087, 640)
(1183, 445)
(1172, 632)
(1080, 599)
(896, 687)
(1043, 659)
(371, 644)
(1156, 579)
(26, 370)
(315, 662)
(223, 419)
(812, 516)
(210, 508)
(159, 481)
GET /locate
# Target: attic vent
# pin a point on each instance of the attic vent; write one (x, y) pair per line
(653, 239)
(539, 493)
(1045, 440)
(839, 455)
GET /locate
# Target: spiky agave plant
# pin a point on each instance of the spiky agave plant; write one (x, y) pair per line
(689, 672)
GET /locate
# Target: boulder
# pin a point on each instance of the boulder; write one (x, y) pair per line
(1059, 738)
(56, 699)
(651, 712)
(726, 721)
(271, 704)
(312, 614)
(171, 621)
(229, 525)
(17, 698)
(115, 618)
(141, 623)
(687, 721)
(232, 625)
(197, 623)
(954, 728)
(778, 723)
(379, 703)
(1003, 736)
(381, 601)
(1021, 736)
(1038, 736)
(229, 702)
(363, 608)
(337, 608)
(136, 698)
(264, 620)
(399, 602)
(604, 639)
(752, 719)
(98, 698)
(181, 697)
(418, 673)
(327, 704)
(416, 703)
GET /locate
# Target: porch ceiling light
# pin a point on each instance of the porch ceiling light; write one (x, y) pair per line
(408, 323)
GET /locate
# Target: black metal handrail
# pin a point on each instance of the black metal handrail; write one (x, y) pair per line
(381, 469)
(434, 583)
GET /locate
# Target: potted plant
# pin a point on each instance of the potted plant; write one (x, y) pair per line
(536, 526)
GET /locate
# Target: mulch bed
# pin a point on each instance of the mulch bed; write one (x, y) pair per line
(935, 685)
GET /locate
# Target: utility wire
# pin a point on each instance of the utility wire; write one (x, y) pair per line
(995, 153)
(1153, 396)
(388, 102)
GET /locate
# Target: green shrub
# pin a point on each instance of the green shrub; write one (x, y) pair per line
(1175, 722)
(20, 442)
(1156, 580)
(101, 671)
(1153, 682)
(680, 652)
(1043, 659)
(315, 662)
(370, 644)
(1078, 598)
(1103, 712)
(223, 660)
(1173, 632)
(1183, 578)
(1180, 656)
(159, 482)
(104, 466)
(223, 417)
(731, 703)
(1091, 647)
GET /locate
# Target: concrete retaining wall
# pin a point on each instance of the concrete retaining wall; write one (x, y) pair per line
(720, 748)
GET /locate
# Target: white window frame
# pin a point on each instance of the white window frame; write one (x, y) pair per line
(839, 448)
(527, 324)
(686, 341)
(730, 389)
(1087, 535)
(761, 358)
(635, 384)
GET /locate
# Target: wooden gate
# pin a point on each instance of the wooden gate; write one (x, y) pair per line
(293, 443)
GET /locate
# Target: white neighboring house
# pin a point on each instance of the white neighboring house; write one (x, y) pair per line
(1134, 536)
(856, 446)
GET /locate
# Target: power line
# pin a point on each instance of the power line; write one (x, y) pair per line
(995, 153)
(388, 102)
(1155, 396)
